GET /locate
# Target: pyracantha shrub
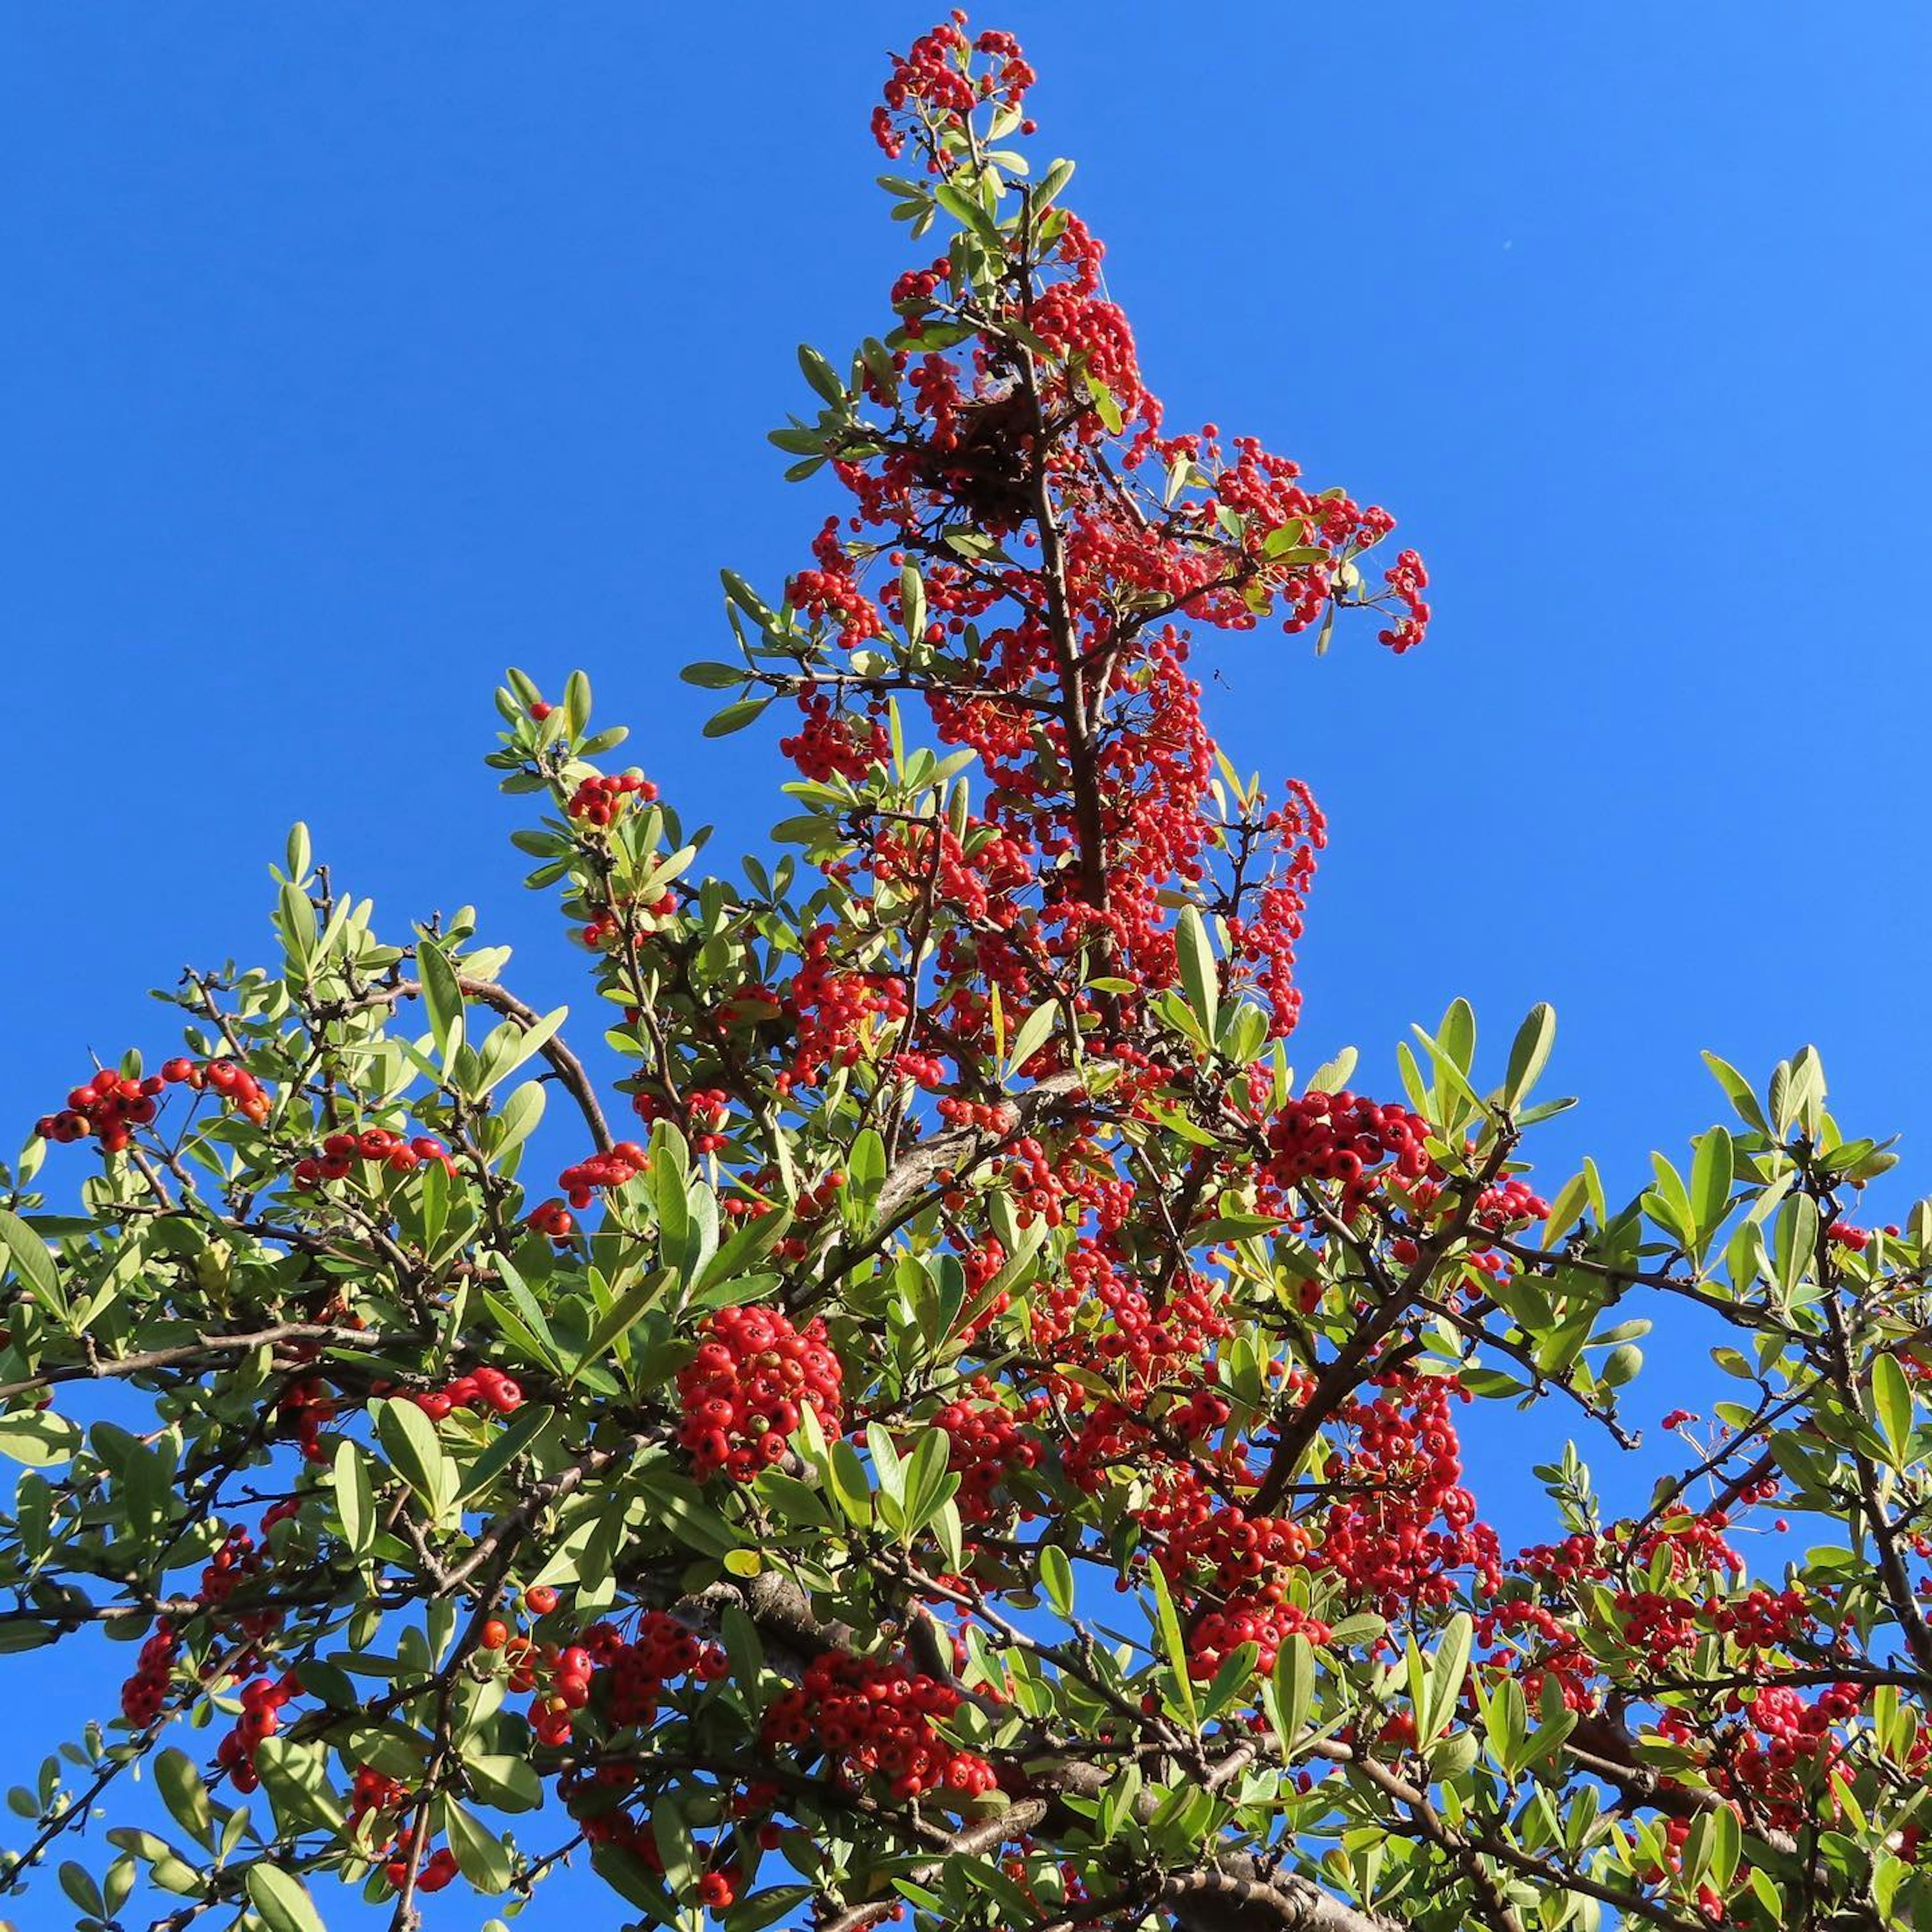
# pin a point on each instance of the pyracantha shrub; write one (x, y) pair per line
(986, 1453)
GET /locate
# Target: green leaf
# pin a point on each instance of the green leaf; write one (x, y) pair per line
(1195, 958)
(929, 1481)
(179, 1781)
(1032, 1036)
(713, 677)
(480, 1854)
(1050, 183)
(282, 1900)
(410, 1438)
(33, 1263)
(1739, 1090)
(1292, 1682)
(865, 1175)
(847, 1475)
(1169, 1626)
(821, 374)
(77, 1882)
(735, 717)
(1056, 1577)
(622, 1316)
(510, 1441)
(1447, 1670)
(1891, 1399)
(886, 1462)
(38, 1437)
(1713, 1167)
(1529, 1052)
(355, 1501)
(442, 998)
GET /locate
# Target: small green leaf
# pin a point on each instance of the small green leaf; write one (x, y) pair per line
(1891, 1399)
(480, 1854)
(442, 998)
(1294, 1687)
(1056, 1577)
(1713, 1167)
(1032, 1035)
(1447, 1670)
(33, 1263)
(354, 1500)
(1529, 1052)
(735, 717)
(409, 1437)
(1195, 958)
(282, 1900)
(1169, 1626)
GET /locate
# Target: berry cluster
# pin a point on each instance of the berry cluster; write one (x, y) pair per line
(1342, 1137)
(702, 1111)
(554, 1219)
(339, 1153)
(621, 1163)
(598, 800)
(262, 1703)
(438, 1869)
(111, 1106)
(875, 1718)
(743, 1395)
(304, 1410)
(1237, 1549)
(632, 1676)
(985, 1443)
(484, 1388)
(933, 78)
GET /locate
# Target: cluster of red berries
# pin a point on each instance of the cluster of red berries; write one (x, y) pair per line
(438, 1869)
(702, 1111)
(985, 1443)
(373, 1791)
(832, 743)
(598, 801)
(752, 1379)
(483, 1388)
(934, 77)
(304, 1410)
(875, 1718)
(111, 1106)
(632, 1675)
(611, 1169)
(146, 1690)
(1037, 1190)
(1265, 941)
(826, 594)
(1265, 1624)
(554, 1219)
(1342, 1137)
(836, 1010)
(1402, 1526)
(262, 1703)
(1237, 1549)
(237, 1557)
(1407, 581)
(986, 1117)
(339, 1153)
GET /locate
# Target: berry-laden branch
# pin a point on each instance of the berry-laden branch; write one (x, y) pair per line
(979, 1444)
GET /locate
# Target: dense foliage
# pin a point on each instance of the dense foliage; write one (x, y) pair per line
(970, 1435)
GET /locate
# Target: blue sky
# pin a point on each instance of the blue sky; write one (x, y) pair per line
(351, 353)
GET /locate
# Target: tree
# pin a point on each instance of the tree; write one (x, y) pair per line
(744, 1515)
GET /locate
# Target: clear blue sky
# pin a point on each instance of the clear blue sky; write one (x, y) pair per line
(350, 353)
